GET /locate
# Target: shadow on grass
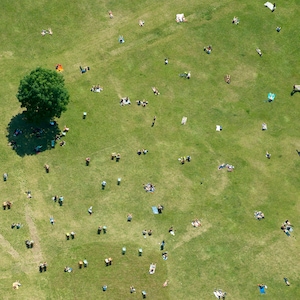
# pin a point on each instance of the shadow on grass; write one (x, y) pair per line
(29, 139)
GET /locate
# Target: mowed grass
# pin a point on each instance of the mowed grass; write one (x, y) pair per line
(231, 250)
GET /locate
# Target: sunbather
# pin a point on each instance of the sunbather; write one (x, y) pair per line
(227, 78)
(286, 281)
(152, 268)
(110, 14)
(196, 223)
(235, 20)
(155, 91)
(258, 51)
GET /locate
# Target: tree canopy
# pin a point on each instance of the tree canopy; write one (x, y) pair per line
(43, 94)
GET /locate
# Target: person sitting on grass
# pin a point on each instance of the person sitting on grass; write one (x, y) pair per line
(110, 14)
(141, 23)
(62, 143)
(165, 255)
(286, 281)
(268, 155)
(96, 88)
(132, 289)
(171, 230)
(129, 217)
(208, 49)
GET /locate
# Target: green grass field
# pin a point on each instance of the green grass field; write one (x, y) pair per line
(231, 250)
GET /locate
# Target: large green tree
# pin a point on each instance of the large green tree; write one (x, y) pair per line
(43, 94)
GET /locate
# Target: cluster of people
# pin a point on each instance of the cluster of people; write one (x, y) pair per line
(229, 167)
(155, 91)
(43, 267)
(220, 294)
(258, 215)
(183, 159)
(196, 223)
(96, 88)
(72, 235)
(108, 261)
(82, 263)
(125, 101)
(29, 244)
(116, 156)
(46, 31)
(149, 187)
(186, 75)
(144, 151)
(68, 269)
(145, 232)
(100, 228)
(142, 103)
(287, 227)
(16, 225)
(59, 199)
(208, 49)
(6, 205)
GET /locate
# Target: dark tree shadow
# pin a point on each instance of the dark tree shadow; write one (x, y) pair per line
(29, 139)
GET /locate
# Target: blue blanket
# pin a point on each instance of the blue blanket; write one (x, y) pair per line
(155, 210)
(262, 289)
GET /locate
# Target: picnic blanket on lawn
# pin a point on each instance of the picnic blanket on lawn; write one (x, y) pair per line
(155, 210)
(269, 5)
(262, 289)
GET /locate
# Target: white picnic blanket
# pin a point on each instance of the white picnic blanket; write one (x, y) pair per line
(269, 5)
(179, 17)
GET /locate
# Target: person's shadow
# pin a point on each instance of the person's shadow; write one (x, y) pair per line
(29, 139)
